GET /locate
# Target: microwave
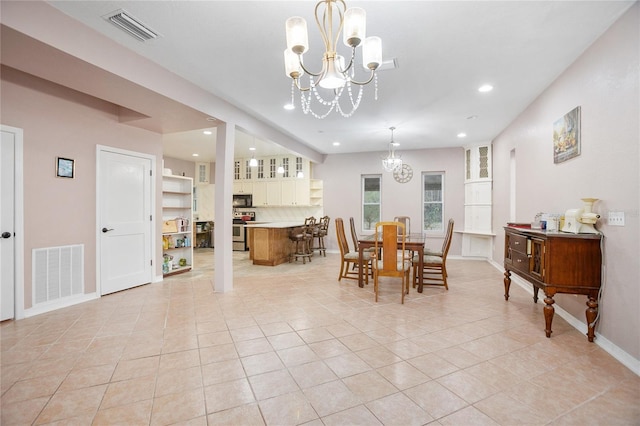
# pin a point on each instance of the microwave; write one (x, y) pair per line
(242, 200)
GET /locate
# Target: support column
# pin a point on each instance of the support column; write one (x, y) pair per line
(223, 238)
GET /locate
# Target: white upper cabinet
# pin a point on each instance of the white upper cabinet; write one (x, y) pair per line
(202, 173)
(478, 163)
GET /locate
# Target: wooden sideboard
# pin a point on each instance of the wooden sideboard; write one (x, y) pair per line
(555, 262)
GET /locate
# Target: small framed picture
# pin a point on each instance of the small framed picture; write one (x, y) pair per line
(65, 167)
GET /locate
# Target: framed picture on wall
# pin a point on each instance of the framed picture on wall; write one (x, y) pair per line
(566, 136)
(65, 167)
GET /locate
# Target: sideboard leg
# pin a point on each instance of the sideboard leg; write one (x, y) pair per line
(592, 314)
(535, 294)
(507, 283)
(548, 314)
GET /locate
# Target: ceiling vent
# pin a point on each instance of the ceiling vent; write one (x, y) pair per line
(123, 20)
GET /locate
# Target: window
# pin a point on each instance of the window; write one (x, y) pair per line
(432, 202)
(371, 201)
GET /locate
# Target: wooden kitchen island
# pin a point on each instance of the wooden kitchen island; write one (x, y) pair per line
(269, 243)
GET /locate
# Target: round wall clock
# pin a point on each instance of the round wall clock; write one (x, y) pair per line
(403, 174)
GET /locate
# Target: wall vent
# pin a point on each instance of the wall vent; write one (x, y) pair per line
(57, 272)
(133, 26)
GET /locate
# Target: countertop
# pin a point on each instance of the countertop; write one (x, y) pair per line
(276, 225)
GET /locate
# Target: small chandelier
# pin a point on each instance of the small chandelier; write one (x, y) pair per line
(392, 161)
(334, 75)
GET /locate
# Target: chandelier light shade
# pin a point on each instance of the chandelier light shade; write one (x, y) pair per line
(337, 75)
(392, 161)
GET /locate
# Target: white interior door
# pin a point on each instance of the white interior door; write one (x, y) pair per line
(124, 222)
(7, 229)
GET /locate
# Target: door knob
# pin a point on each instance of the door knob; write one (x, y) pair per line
(105, 230)
(6, 235)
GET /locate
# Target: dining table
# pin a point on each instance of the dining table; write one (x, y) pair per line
(413, 242)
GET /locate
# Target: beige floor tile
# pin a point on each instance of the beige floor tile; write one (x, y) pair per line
(468, 416)
(289, 409)
(223, 396)
(22, 412)
(247, 415)
(178, 360)
(347, 365)
(312, 374)
(331, 397)
(261, 363)
(467, 386)
(359, 415)
(178, 380)
(437, 400)
(297, 355)
(178, 407)
(274, 383)
(32, 388)
(137, 413)
(86, 377)
(67, 404)
(132, 368)
(403, 375)
(206, 356)
(369, 386)
(128, 391)
(378, 356)
(222, 371)
(398, 409)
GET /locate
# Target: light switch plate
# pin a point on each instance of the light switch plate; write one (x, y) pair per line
(616, 219)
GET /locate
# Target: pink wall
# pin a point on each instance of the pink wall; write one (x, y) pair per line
(61, 122)
(604, 82)
(341, 181)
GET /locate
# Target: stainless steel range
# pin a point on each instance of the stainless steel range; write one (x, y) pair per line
(240, 218)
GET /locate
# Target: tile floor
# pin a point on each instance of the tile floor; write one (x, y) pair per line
(292, 345)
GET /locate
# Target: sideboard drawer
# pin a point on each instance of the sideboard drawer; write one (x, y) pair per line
(520, 261)
(518, 243)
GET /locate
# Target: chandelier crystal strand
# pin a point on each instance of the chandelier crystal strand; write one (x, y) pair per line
(335, 74)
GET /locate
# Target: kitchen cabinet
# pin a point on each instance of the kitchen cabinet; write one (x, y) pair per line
(203, 173)
(267, 193)
(205, 196)
(477, 235)
(177, 224)
(295, 192)
(243, 187)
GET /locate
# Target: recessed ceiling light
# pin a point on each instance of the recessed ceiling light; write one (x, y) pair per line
(195, 155)
(472, 117)
(210, 119)
(208, 132)
(252, 149)
(336, 144)
(485, 88)
(462, 135)
(289, 107)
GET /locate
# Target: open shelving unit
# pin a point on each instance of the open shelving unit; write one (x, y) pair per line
(177, 224)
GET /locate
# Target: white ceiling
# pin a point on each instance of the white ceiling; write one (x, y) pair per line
(444, 49)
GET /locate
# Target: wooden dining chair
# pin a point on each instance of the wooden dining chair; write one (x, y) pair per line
(392, 260)
(356, 245)
(406, 220)
(349, 258)
(434, 266)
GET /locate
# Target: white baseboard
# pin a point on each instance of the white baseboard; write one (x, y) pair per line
(59, 304)
(615, 351)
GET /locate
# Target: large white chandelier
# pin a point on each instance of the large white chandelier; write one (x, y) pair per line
(392, 161)
(335, 75)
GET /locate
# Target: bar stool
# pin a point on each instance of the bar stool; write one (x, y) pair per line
(300, 240)
(319, 232)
